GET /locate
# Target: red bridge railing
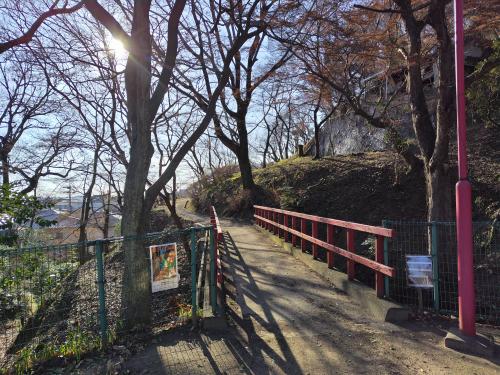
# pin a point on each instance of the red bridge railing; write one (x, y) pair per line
(288, 224)
(214, 221)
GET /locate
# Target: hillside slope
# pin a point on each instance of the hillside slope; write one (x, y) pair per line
(364, 188)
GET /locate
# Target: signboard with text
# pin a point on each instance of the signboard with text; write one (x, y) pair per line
(419, 271)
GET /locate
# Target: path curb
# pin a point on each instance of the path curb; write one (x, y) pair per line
(380, 309)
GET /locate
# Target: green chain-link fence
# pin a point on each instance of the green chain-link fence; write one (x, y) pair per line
(68, 299)
(439, 240)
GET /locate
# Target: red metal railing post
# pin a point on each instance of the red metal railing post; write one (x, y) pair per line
(280, 219)
(278, 222)
(314, 235)
(379, 257)
(303, 230)
(330, 229)
(285, 223)
(351, 266)
(218, 263)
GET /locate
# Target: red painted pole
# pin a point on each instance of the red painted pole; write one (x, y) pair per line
(294, 226)
(329, 238)
(351, 266)
(466, 293)
(279, 221)
(379, 257)
(303, 230)
(315, 235)
(285, 223)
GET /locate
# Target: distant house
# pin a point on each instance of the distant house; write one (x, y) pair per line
(67, 227)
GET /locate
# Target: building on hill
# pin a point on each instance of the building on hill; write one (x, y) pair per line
(349, 133)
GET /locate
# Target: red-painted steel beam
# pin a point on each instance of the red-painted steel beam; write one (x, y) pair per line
(385, 232)
(280, 219)
(214, 220)
(315, 235)
(294, 226)
(303, 229)
(330, 230)
(378, 267)
(286, 224)
(465, 259)
(379, 257)
(351, 247)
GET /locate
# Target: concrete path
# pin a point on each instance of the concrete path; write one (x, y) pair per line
(285, 319)
(291, 321)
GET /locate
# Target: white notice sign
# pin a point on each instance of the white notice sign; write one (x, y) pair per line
(419, 270)
(164, 272)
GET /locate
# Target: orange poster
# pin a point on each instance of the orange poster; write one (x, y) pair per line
(164, 271)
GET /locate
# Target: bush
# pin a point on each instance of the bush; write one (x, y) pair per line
(220, 188)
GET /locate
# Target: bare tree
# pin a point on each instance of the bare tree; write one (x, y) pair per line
(10, 9)
(36, 136)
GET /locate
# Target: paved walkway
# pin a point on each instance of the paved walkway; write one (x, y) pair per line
(285, 319)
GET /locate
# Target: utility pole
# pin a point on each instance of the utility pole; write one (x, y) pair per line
(466, 293)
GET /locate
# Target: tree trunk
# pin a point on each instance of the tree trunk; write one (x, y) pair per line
(5, 170)
(137, 285)
(317, 153)
(174, 194)
(105, 228)
(246, 171)
(84, 216)
(439, 193)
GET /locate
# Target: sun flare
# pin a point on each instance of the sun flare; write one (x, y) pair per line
(117, 47)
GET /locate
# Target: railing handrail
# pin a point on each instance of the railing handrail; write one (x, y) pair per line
(214, 221)
(278, 221)
(380, 231)
(218, 227)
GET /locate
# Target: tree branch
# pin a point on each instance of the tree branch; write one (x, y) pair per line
(28, 35)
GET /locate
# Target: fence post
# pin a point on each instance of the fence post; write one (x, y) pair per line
(103, 319)
(213, 293)
(315, 235)
(351, 247)
(280, 221)
(276, 220)
(329, 238)
(285, 223)
(379, 257)
(435, 264)
(194, 307)
(294, 227)
(303, 230)
(386, 258)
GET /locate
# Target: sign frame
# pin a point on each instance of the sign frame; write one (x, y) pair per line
(164, 270)
(419, 271)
